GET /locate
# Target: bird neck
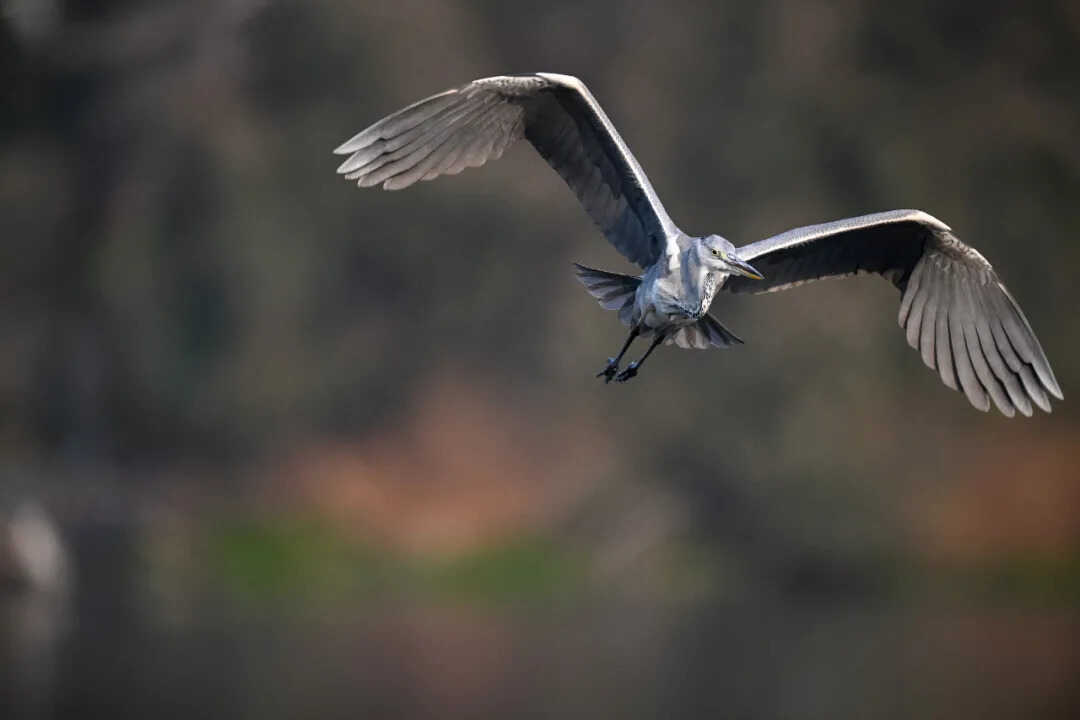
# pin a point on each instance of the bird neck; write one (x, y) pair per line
(700, 281)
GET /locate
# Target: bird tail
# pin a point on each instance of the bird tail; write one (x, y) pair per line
(615, 291)
(705, 333)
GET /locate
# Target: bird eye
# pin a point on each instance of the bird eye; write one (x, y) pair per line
(715, 252)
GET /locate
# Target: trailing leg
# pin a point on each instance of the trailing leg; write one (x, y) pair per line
(613, 363)
(632, 369)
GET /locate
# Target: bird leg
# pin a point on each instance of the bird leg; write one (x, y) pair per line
(613, 363)
(632, 368)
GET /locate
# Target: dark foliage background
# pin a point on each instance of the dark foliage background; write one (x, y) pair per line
(271, 446)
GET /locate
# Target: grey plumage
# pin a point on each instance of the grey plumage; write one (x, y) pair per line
(954, 310)
(467, 126)
(616, 291)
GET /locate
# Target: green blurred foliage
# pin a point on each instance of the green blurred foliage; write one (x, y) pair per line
(310, 564)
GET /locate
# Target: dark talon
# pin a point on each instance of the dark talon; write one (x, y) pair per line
(609, 371)
(629, 372)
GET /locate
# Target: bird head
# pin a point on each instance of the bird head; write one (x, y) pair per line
(719, 254)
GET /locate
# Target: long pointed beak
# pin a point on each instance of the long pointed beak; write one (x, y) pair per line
(745, 269)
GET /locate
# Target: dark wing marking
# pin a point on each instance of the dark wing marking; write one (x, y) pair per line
(467, 126)
(954, 309)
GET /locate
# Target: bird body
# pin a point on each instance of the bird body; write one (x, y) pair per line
(954, 309)
(677, 293)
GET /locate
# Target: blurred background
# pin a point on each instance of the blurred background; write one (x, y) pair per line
(271, 446)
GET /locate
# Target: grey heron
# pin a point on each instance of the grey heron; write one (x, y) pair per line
(954, 309)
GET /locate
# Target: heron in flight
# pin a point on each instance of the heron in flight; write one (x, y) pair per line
(955, 310)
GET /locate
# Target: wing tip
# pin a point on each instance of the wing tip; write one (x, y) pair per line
(356, 142)
(348, 165)
(1041, 402)
(1052, 387)
(1039, 363)
(1004, 405)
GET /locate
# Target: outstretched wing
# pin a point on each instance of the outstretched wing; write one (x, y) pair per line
(467, 126)
(955, 310)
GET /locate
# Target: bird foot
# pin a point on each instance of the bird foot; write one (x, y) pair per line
(609, 371)
(626, 374)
